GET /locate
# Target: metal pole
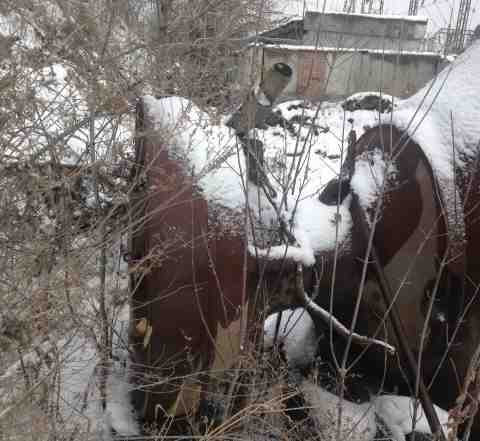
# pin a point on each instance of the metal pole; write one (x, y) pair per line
(405, 350)
(461, 26)
(349, 6)
(413, 7)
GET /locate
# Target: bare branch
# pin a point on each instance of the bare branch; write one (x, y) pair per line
(318, 312)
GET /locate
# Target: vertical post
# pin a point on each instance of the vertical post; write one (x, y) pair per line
(461, 26)
(411, 363)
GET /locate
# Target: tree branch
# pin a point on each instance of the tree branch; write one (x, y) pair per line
(318, 312)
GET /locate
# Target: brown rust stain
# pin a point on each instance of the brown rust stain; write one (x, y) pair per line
(410, 211)
(189, 286)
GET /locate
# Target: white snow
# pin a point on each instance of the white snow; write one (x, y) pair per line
(316, 157)
(357, 420)
(296, 332)
(12, 25)
(398, 413)
(261, 97)
(368, 178)
(79, 392)
(414, 18)
(447, 105)
(310, 48)
(30, 360)
(297, 164)
(360, 95)
(210, 152)
(427, 115)
(318, 227)
(75, 362)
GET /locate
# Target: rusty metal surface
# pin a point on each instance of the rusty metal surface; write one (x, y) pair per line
(449, 345)
(187, 281)
(312, 75)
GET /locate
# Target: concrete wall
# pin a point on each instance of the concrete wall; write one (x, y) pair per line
(257, 59)
(398, 75)
(341, 30)
(333, 74)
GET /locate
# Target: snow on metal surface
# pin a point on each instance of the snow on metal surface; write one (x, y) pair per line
(303, 149)
(368, 179)
(210, 152)
(443, 119)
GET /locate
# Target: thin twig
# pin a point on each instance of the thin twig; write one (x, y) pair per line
(317, 311)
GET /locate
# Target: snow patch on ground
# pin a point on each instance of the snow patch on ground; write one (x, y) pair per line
(357, 420)
(80, 385)
(400, 414)
(296, 332)
(403, 415)
(77, 389)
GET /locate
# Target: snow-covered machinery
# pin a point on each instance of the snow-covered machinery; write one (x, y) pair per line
(187, 249)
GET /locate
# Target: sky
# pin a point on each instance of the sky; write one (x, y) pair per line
(438, 12)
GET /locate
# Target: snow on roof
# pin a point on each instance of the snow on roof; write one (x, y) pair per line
(301, 47)
(412, 18)
(297, 8)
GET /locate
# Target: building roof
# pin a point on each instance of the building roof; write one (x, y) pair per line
(292, 31)
(296, 47)
(414, 18)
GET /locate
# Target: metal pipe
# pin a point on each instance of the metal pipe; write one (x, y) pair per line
(257, 106)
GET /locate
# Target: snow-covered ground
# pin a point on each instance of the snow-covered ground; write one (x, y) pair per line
(75, 362)
(294, 333)
(51, 105)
